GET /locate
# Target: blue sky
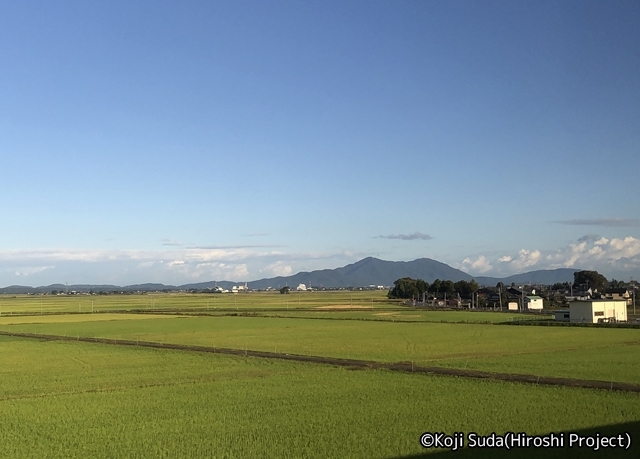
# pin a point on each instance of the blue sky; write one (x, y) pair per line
(235, 140)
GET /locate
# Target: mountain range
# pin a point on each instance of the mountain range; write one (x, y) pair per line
(364, 273)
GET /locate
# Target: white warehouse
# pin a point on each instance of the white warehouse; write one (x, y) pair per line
(594, 311)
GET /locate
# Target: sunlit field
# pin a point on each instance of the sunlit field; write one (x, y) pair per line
(357, 299)
(366, 304)
(108, 400)
(569, 352)
(68, 399)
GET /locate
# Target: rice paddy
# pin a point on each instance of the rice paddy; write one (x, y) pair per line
(75, 399)
(570, 352)
(363, 299)
(123, 402)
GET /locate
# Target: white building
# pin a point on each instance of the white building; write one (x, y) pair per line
(533, 302)
(594, 311)
(240, 288)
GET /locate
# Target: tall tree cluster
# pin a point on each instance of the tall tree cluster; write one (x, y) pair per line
(592, 279)
(407, 288)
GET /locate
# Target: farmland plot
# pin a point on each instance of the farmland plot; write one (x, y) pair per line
(68, 399)
(567, 352)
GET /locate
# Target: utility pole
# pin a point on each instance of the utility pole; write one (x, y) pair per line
(633, 294)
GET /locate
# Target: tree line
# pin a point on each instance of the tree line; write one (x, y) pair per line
(408, 288)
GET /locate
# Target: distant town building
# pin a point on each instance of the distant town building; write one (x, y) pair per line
(618, 294)
(240, 288)
(533, 303)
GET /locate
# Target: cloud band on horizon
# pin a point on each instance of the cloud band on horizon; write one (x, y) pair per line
(608, 222)
(407, 237)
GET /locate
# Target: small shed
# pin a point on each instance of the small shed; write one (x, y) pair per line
(533, 302)
(594, 311)
(562, 315)
(512, 305)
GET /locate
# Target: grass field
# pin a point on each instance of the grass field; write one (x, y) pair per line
(67, 399)
(582, 353)
(399, 315)
(162, 301)
(74, 399)
(368, 305)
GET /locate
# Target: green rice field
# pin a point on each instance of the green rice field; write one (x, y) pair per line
(569, 352)
(12, 304)
(359, 305)
(78, 399)
(68, 399)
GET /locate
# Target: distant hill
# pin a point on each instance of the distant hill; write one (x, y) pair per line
(366, 272)
(543, 276)
(369, 271)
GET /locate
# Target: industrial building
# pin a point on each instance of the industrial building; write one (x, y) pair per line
(594, 311)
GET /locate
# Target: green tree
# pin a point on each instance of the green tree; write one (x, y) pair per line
(408, 288)
(462, 287)
(592, 279)
(435, 286)
(285, 290)
(422, 286)
(447, 287)
(616, 284)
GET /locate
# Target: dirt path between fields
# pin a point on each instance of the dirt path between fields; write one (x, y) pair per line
(407, 367)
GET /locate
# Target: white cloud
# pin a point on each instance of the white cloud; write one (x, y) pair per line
(607, 222)
(526, 259)
(240, 271)
(479, 266)
(417, 236)
(170, 266)
(605, 253)
(29, 270)
(278, 268)
(614, 255)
